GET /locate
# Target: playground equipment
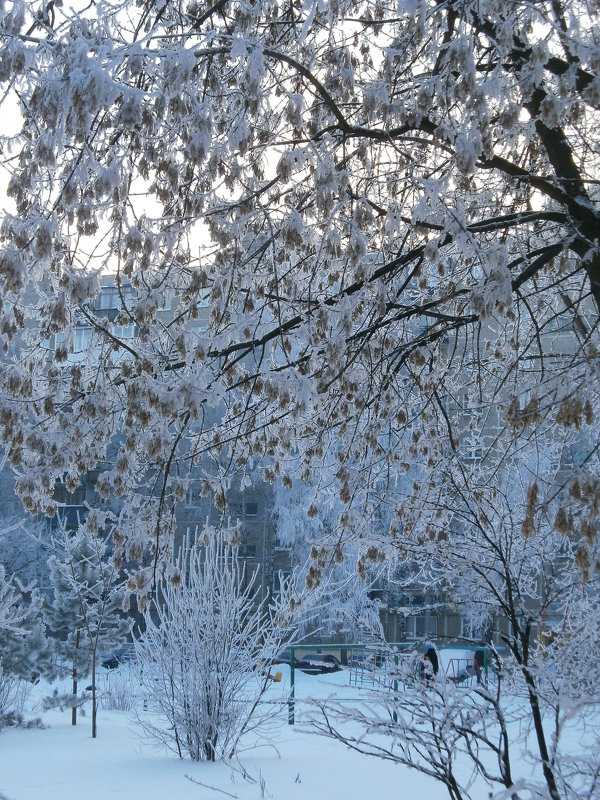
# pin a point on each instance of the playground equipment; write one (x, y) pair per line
(395, 666)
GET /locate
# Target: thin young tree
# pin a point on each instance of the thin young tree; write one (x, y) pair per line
(66, 623)
(88, 598)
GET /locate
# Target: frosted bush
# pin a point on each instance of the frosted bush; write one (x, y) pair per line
(122, 692)
(206, 650)
(14, 693)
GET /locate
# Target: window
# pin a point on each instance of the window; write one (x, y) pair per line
(64, 498)
(82, 339)
(203, 300)
(125, 331)
(529, 379)
(471, 628)
(471, 405)
(421, 626)
(472, 450)
(110, 297)
(71, 510)
(251, 509)
(278, 579)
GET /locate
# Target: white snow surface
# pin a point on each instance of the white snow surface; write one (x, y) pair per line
(63, 762)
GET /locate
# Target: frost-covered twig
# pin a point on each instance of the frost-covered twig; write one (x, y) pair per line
(206, 786)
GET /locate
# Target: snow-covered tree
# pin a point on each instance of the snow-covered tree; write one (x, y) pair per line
(88, 594)
(21, 553)
(338, 578)
(498, 555)
(22, 563)
(206, 651)
(301, 206)
(356, 238)
(24, 649)
(439, 730)
(12, 611)
(66, 623)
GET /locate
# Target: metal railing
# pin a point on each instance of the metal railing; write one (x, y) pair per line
(366, 662)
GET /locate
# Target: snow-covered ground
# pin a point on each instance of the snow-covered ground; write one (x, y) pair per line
(62, 762)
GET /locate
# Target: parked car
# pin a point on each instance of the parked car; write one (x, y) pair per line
(115, 658)
(318, 663)
(284, 657)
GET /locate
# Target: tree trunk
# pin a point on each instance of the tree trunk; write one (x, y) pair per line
(94, 708)
(74, 707)
(541, 737)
